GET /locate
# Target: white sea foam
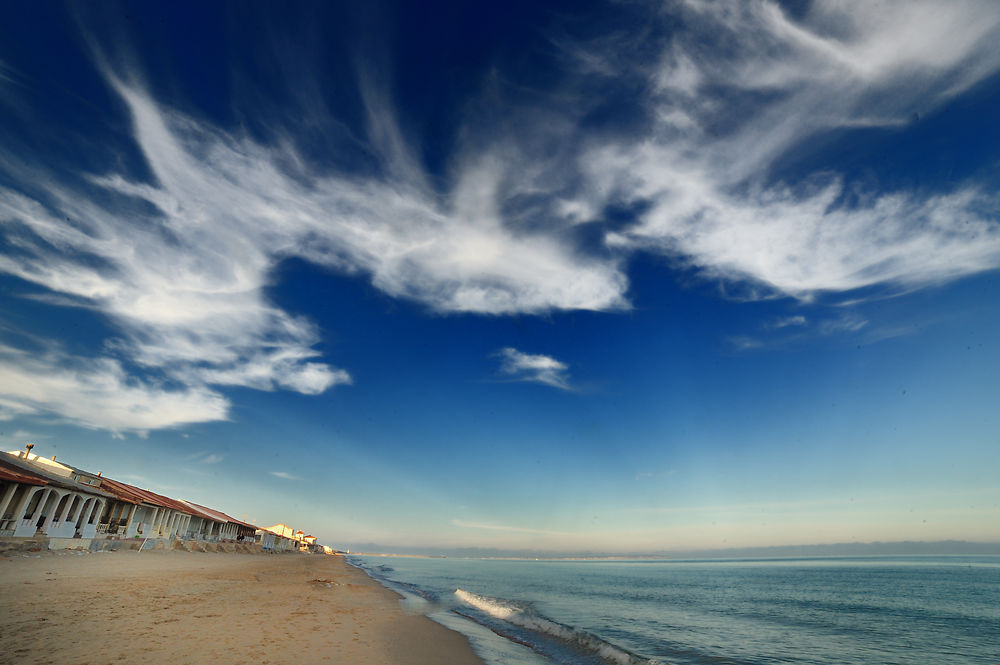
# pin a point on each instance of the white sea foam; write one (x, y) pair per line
(520, 616)
(491, 606)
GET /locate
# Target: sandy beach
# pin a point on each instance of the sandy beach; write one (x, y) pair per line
(184, 607)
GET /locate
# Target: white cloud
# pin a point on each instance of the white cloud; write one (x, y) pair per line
(184, 284)
(745, 343)
(752, 85)
(455, 256)
(179, 264)
(788, 321)
(98, 394)
(284, 475)
(791, 329)
(845, 323)
(522, 366)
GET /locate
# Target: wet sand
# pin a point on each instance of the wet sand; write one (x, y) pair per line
(189, 607)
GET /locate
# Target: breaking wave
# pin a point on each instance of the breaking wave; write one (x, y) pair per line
(524, 616)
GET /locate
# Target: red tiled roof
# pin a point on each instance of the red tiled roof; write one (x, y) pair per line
(208, 513)
(17, 475)
(233, 520)
(133, 494)
(216, 515)
(249, 526)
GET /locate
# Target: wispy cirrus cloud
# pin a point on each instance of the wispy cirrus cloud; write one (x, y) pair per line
(180, 264)
(178, 261)
(743, 87)
(205, 457)
(789, 330)
(97, 394)
(788, 321)
(284, 475)
(535, 368)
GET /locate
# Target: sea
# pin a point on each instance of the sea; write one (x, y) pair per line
(823, 611)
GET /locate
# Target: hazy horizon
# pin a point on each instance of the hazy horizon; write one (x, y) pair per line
(818, 550)
(523, 276)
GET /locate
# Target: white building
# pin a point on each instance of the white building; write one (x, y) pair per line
(42, 497)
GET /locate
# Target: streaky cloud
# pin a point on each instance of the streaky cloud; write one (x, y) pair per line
(179, 262)
(98, 394)
(185, 283)
(744, 86)
(788, 321)
(535, 368)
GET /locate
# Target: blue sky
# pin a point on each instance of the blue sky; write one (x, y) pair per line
(558, 276)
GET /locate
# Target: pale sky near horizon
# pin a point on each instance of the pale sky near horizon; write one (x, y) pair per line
(559, 276)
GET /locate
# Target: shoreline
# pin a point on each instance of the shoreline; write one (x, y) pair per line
(174, 606)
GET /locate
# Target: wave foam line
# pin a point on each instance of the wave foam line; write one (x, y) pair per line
(521, 616)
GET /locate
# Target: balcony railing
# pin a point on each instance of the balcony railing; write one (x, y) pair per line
(112, 530)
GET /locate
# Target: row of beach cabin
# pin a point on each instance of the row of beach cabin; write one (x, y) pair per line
(43, 498)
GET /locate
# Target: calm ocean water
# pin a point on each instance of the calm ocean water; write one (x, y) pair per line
(921, 610)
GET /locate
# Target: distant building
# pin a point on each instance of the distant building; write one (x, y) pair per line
(282, 530)
(279, 537)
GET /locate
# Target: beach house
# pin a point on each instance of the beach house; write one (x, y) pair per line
(149, 515)
(282, 530)
(278, 537)
(206, 525)
(209, 525)
(17, 487)
(42, 497)
(45, 500)
(87, 505)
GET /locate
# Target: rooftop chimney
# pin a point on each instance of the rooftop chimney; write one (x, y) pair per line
(53, 458)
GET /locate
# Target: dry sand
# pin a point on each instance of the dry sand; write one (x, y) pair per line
(186, 607)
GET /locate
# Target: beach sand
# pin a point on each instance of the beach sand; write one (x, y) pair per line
(185, 607)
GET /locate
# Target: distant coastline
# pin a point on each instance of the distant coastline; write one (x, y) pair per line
(877, 548)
